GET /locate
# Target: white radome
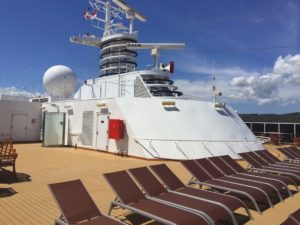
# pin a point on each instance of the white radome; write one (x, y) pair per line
(60, 81)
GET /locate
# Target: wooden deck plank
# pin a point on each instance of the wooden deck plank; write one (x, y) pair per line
(33, 203)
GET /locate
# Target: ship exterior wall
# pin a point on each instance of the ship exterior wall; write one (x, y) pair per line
(20, 120)
(185, 129)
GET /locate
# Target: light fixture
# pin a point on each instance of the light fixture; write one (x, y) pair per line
(102, 105)
(168, 103)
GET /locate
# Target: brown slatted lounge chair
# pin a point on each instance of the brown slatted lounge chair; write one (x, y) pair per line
(290, 221)
(293, 219)
(272, 160)
(230, 173)
(175, 185)
(290, 156)
(260, 165)
(294, 151)
(267, 190)
(77, 206)
(264, 163)
(130, 197)
(203, 178)
(212, 211)
(240, 170)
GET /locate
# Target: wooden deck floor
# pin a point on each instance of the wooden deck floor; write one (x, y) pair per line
(32, 202)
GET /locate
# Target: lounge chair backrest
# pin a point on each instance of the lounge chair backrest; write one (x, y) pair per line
(293, 151)
(6, 146)
(265, 157)
(124, 187)
(286, 153)
(250, 160)
(198, 172)
(258, 159)
(230, 161)
(74, 201)
(167, 176)
(210, 168)
(218, 162)
(270, 156)
(148, 181)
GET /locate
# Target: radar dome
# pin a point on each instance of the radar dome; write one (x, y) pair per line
(60, 81)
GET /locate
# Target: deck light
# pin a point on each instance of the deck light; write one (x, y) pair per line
(168, 103)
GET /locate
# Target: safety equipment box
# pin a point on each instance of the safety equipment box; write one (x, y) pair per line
(115, 129)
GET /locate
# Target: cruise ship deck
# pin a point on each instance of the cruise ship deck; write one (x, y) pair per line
(30, 201)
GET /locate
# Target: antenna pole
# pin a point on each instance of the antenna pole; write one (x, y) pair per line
(155, 52)
(131, 30)
(107, 19)
(214, 89)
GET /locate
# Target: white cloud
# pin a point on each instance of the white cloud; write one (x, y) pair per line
(280, 85)
(17, 92)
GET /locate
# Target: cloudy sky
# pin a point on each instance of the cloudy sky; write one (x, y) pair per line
(251, 47)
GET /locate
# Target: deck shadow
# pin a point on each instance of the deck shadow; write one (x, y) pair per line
(6, 177)
(7, 192)
(134, 219)
(137, 219)
(262, 205)
(241, 219)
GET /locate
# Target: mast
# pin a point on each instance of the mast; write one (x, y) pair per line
(109, 16)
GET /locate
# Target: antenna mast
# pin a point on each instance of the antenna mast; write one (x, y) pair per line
(109, 16)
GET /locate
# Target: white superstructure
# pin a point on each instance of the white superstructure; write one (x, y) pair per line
(139, 112)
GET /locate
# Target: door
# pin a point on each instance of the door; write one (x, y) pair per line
(102, 132)
(54, 124)
(18, 127)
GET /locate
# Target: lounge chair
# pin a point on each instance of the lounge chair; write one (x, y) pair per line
(174, 184)
(204, 178)
(290, 155)
(293, 219)
(278, 186)
(272, 160)
(268, 190)
(8, 156)
(294, 150)
(266, 176)
(211, 210)
(77, 206)
(259, 164)
(130, 197)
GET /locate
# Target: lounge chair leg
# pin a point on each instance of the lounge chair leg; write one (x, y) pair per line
(110, 209)
(14, 171)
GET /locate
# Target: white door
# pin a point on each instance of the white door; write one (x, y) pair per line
(54, 129)
(102, 132)
(18, 128)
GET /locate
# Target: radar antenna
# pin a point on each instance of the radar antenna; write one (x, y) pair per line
(155, 49)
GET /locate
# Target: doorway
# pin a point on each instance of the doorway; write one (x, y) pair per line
(102, 132)
(18, 127)
(54, 126)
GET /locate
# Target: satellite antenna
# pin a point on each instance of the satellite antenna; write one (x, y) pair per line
(131, 14)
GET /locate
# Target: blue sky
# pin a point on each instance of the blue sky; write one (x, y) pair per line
(251, 46)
